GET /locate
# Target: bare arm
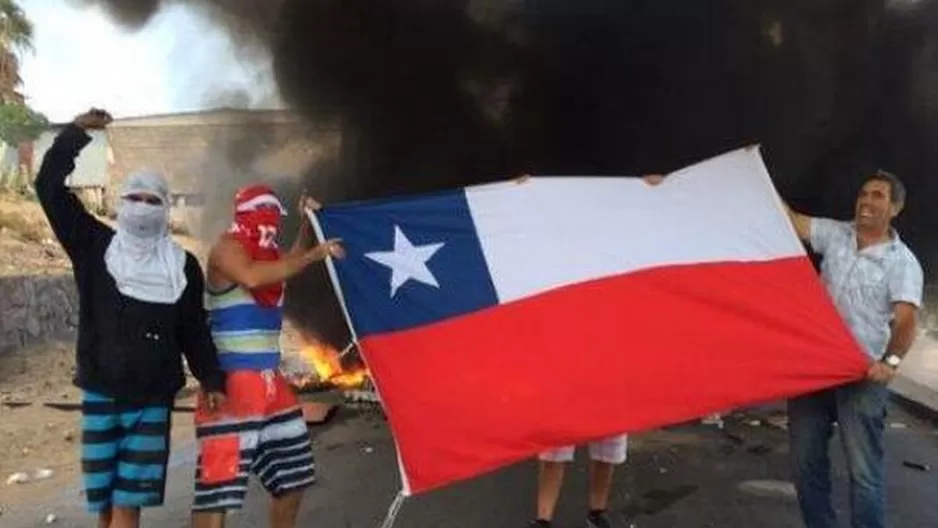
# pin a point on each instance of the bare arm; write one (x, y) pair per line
(903, 329)
(234, 263)
(73, 226)
(801, 223)
(902, 335)
(194, 335)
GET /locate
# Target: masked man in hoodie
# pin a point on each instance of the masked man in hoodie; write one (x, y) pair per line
(140, 311)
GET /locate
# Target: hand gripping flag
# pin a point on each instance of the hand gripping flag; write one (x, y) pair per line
(505, 319)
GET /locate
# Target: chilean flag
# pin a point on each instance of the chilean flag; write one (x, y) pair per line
(505, 319)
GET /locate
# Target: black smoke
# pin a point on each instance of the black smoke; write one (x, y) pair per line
(437, 93)
(133, 14)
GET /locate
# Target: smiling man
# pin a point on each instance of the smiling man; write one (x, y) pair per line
(876, 283)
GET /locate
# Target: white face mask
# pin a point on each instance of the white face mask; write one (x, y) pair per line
(143, 259)
(141, 219)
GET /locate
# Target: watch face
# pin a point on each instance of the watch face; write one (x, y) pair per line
(892, 360)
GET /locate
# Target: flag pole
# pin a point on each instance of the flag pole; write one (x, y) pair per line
(333, 278)
(393, 510)
(337, 289)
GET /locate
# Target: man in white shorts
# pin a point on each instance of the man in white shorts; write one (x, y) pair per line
(605, 455)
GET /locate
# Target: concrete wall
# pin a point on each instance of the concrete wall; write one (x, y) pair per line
(188, 219)
(207, 155)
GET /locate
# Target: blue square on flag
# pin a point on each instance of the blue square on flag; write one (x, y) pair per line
(409, 261)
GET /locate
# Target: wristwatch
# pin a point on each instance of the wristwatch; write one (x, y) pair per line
(891, 359)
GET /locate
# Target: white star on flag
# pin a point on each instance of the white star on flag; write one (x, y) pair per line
(407, 261)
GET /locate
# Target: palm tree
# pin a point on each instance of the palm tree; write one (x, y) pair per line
(16, 36)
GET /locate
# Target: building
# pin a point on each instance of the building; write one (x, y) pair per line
(19, 164)
(183, 146)
(90, 178)
(206, 155)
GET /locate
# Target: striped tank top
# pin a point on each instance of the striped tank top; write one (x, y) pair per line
(246, 334)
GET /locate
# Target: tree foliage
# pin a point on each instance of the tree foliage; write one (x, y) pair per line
(19, 123)
(16, 36)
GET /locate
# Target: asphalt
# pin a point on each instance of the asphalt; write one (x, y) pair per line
(685, 476)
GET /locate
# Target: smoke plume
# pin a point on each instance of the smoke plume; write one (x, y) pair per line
(436, 93)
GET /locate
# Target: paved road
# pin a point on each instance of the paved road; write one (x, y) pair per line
(687, 476)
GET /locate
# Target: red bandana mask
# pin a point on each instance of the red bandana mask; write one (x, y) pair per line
(256, 226)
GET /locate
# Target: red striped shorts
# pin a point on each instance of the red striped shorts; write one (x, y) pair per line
(261, 431)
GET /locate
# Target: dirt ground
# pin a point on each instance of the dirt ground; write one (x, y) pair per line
(27, 245)
(34, 437)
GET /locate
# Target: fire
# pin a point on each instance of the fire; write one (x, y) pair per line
(327, 364)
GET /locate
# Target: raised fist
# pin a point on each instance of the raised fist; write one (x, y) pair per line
(94, 119)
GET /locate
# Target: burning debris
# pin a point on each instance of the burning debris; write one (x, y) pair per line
(329, 370)
(316, 370)
(327, 381)
(320, 367)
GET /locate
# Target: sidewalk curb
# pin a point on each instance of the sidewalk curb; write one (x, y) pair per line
(918, 400)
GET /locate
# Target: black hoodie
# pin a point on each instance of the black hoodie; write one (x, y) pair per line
(128, 349)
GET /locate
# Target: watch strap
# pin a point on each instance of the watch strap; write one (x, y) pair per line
(891, 359)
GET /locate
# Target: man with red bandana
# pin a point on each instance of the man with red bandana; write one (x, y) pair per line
(260, 429)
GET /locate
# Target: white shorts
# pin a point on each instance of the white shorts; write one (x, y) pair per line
(612, 450)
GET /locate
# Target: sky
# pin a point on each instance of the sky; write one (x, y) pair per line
(178, 62)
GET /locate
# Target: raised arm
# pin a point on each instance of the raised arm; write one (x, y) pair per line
(194, 335)
(801, 223)
(304, 233)
(73, 226)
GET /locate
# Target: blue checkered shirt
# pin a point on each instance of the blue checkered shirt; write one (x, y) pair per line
(864, 284)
